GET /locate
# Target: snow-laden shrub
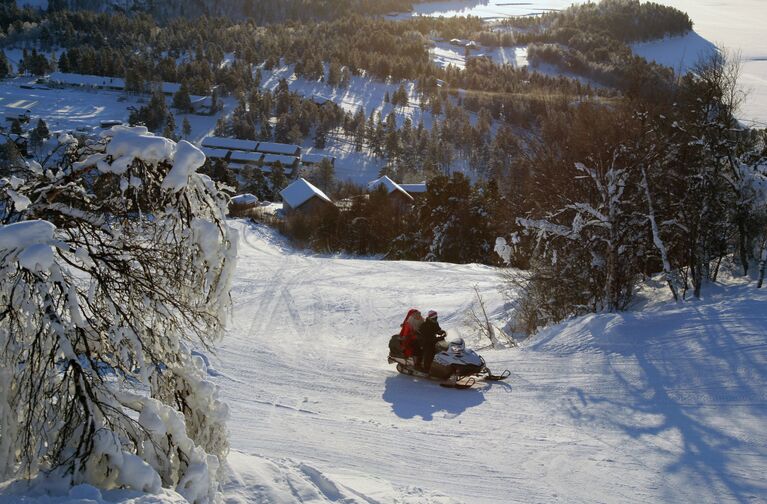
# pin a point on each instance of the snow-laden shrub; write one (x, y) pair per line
(112, 265)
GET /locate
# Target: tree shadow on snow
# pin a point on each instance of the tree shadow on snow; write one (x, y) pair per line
(689, 369)
(414, 397)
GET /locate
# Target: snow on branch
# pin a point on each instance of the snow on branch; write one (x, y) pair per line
(113, 265)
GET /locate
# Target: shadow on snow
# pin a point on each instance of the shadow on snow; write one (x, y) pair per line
(689, 364)
(415, 397)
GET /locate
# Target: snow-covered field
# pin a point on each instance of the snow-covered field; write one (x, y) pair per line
(487, 9)
(739, 27)
(736, 25)
(662, 405)
(82, 110)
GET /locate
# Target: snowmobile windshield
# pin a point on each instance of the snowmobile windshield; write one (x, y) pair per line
(457, 346)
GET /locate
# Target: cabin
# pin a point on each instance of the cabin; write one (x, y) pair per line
(14, 115)
(245, 157)
(242, 205)
(215, 142)
(201, 105)
(279, 148)
(64, 79)
(314, 159)
(397, 195)
(301, 196)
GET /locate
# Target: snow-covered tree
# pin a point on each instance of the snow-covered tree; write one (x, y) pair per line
(114, 265)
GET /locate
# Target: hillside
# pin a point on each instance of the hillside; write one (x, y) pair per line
(661, 405)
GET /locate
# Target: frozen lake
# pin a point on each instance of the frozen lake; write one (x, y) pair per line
(736, 25)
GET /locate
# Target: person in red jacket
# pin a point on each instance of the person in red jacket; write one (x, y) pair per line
(409, 333)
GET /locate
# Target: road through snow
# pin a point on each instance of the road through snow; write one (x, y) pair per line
(653, 406)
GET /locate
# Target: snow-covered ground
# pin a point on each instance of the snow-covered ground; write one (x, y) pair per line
(444, 54)
(736, 25)
(661, 405)
(72, 109)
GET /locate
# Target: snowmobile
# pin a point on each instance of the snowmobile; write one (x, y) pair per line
(454, 365)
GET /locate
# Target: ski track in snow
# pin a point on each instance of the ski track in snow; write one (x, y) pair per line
(664, 405)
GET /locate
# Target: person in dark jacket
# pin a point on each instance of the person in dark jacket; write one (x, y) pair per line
(428, 334)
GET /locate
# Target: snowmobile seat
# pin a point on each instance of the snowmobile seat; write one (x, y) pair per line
(395, 346)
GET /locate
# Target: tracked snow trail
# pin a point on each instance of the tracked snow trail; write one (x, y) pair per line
(645, 407)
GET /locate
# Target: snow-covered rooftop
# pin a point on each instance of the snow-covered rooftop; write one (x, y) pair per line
(316, 158)
(75, 79)
(229, 143)
(388, 184)
(278, 148)
(244, 199)
(301, 191)
(414, 188)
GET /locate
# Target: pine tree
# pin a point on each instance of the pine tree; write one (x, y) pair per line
(5, 66)
(170, 127)
(277, 179)
(334, 73)
(295, 136)
(325, 175)
(16, 127)
(181, 100)
(186, 128)
(42, 129)
(63, 63)
(320, 137)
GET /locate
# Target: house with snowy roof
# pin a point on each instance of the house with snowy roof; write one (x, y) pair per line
(302, 196)
(396, 193)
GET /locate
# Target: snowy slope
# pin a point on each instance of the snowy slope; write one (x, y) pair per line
(663, 405)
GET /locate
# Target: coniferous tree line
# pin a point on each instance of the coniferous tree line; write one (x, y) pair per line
(261, 11)
(609, 196)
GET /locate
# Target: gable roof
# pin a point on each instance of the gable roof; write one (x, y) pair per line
(301, 191)
(389, 185)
